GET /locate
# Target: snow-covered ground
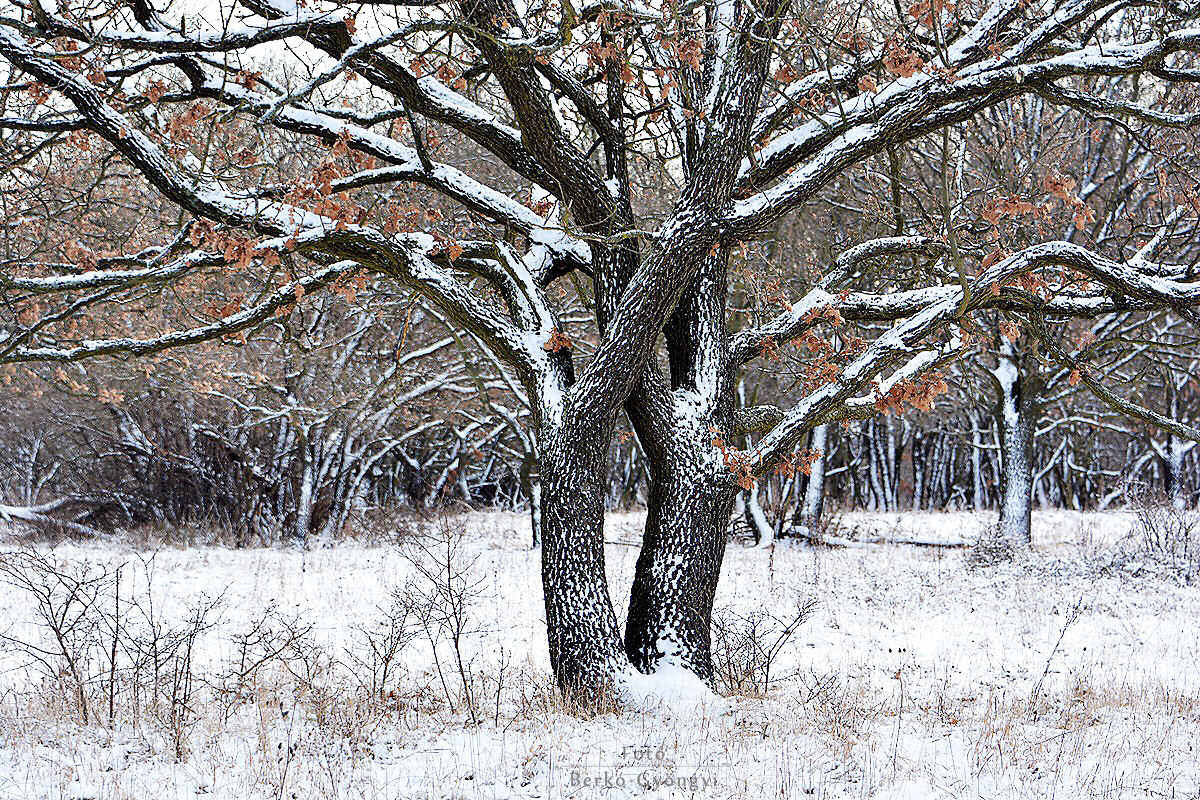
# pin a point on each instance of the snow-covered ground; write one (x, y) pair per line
(915, 677)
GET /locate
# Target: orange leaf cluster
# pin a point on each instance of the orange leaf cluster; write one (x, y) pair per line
(827, 313)
(349, 285)
(820, 372)
(798, 462)
(39, 92)
(919, 393)
(230, 308)
(854, 42)
(601, 54)
(902, 62)
(238, 250)
(814, 344)
(786, 74)
(110, 397)
(1008, 206)
(768, 348)
(182, 127)
(557, 342)
(927, 11)
(1062, 187)
(610, 20)
(80, 255)
(688, 52)
(398, 218)
(737, 462)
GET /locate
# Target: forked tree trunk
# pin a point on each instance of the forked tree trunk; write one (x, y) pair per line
(690, 496)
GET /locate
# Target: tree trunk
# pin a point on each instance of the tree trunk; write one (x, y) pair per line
(751, 510)
(978, 493)
(585, 642)
(531, 484)
(675, 582)
(1016, 416)
(814, 491)
(1176, 485)
(690, 497)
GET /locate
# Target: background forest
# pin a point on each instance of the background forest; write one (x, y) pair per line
(364, 400)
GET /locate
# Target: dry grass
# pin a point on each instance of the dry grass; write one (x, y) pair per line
(281, 699)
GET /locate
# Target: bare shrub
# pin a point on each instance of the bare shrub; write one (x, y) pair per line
(992, 548)
(372, 662)
(746, 647)
(830, 525)
(161, 674)
(828, 529)
(1169, 533)
(842, 709)
(1164, 542)
(441, 597)
(273, 641)
(68, 647)
(101, 644)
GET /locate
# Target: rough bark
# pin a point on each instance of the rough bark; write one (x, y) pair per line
(585, 642)
(675, 581)
(1016, 416)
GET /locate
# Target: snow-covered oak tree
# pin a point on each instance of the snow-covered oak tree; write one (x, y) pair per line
(615, 151)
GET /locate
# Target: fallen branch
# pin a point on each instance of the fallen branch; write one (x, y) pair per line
(802, 532)
(39, 517)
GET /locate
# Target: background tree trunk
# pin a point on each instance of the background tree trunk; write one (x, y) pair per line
(1016, 416)
(814, 491)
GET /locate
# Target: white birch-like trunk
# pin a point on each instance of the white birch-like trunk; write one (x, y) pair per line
(1015, 420)
(814, 492)
(756, 518)
(1177, 450)
(979, 496)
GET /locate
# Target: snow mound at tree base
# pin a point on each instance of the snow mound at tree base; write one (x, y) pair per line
(670, 687)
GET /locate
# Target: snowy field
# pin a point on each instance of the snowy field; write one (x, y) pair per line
(912, 677)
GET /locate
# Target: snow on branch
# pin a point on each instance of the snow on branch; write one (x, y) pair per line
(102, 278)
(426, 95)
(407, 165)
(910, 106)
(228, 40)
(792, 323)
(1116, 107)
(40, 516)
(1080, 371)
(235, 323)
(405, 258)
(938, 309)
